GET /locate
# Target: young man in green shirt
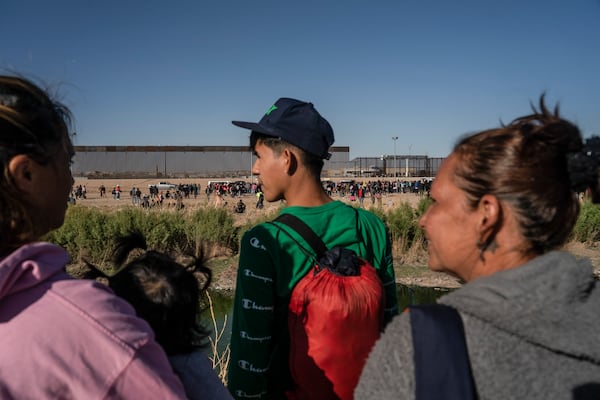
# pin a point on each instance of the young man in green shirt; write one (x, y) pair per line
(290, 143)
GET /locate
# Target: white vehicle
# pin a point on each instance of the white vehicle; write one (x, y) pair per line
(163, 186)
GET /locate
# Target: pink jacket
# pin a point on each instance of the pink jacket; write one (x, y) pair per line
(64, 338)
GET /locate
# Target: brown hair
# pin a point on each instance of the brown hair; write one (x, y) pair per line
(31, 123)
(526, 165)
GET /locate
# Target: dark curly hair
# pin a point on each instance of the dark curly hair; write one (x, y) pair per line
(163, 292)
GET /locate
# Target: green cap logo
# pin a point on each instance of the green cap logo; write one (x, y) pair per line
(271, 109)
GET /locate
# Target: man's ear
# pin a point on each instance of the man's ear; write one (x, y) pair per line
(21, 168)
(290, 159)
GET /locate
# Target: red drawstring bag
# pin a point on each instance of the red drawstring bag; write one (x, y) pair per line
(335, 316)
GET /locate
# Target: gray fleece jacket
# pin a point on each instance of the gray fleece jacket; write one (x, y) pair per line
(532, 332)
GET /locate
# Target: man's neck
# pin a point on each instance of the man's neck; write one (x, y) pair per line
(306, 192)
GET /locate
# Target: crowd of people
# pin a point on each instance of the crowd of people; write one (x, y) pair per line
(367, 188)
(351, 190)
(503, 204)
(157, 198)
(174, 198)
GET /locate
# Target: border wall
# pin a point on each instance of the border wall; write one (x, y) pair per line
(228, 161)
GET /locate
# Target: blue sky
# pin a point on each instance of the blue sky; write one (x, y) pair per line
(146, 72)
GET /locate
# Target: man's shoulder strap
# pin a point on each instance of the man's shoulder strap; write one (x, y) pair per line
(442, 367)
(315, 242)
(303, 230)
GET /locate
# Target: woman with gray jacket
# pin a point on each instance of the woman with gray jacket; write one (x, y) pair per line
(504, 203)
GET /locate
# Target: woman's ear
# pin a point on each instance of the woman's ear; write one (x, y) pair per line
(21, 168)
(490, 214)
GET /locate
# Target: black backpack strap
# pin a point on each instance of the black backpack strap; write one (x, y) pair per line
(442, 367)
(304, 230)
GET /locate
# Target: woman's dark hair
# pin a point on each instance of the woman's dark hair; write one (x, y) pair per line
(311, 162)
(31, 123)
(532, 165)
(163, 292)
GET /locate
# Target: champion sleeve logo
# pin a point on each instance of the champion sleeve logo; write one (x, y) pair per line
(248, 366)
(244, 335)
(251, 305)
(250, 274)
(242, 394)
(254, 242)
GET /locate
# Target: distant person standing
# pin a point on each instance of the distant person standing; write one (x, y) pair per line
(219, 202)
(361, 195)
(290, 143)
(261, 199)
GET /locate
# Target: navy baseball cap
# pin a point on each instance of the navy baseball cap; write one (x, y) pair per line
(296, 122)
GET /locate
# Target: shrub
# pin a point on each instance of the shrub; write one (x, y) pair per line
(379, 212)
(587, 227)
(422, 206)
(90, 233)
(84, 233)
(406, 235)
(402, 224)
(211, 231)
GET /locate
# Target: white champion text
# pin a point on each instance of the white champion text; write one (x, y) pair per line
(250, 305)
(251, 274)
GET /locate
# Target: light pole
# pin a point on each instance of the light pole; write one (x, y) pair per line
(409, 147)
(394, 138)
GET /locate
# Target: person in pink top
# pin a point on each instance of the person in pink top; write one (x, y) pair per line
(61, 338)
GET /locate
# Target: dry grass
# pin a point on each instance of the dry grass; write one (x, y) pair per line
(415, 254)
(220, 360)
